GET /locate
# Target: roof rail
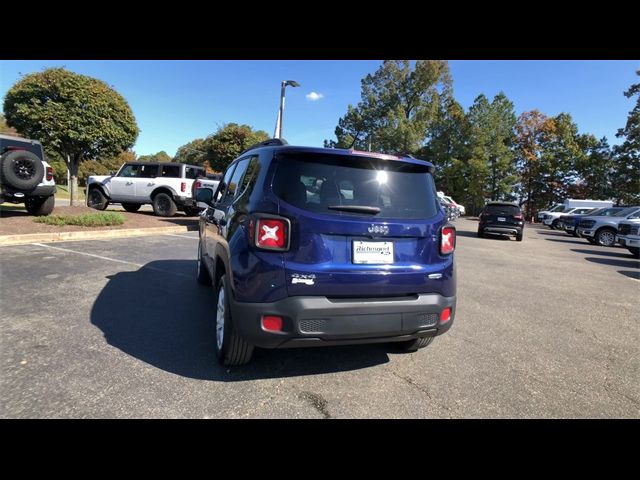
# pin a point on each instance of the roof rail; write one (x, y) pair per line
(278, 142)
(405, 155)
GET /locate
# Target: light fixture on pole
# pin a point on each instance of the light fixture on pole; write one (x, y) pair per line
(284, 84)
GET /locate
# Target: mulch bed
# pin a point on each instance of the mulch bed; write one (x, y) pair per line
(19, 222)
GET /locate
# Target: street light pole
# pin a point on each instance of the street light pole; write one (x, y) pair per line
(283, 86)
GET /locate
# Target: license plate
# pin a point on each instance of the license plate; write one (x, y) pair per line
(372, 252)
(502, 219)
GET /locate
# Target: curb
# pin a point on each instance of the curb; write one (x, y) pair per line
(90, 235)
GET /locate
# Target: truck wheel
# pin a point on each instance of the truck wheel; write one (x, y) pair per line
(164, 206)
(606, 237)
(415, 344)
(21, 169)
(519, 236)
(97, 199)
(191, 211)
(231, 349)
(635, 251)
(131, 207)
(203, 272)
(40, 206)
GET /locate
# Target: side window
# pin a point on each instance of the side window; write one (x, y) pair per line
(635, 214)
(249, 179)
(232, 187)
(222, 187)
(129, 171)
(170, 171)
(193, 172)
(148, 171)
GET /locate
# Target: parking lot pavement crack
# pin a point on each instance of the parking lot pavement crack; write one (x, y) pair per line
(422, 389)
(317, 401)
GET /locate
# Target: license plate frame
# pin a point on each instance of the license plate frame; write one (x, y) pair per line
(365, 252)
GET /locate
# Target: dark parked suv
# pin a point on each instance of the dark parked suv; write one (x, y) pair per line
(502, 218)
(313, 246)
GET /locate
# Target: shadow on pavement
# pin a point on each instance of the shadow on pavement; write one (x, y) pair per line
(606, 253)
(487, 236)
(630, 274)
(10, 212)
(160, 315)
(615, 263)
(577, 242)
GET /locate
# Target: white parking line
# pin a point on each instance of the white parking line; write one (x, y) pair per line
(181, 236)
(113, 259)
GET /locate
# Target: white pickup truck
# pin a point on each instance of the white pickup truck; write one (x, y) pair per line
(166, 186)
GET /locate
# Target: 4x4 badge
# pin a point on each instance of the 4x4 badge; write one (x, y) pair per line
(381, 229)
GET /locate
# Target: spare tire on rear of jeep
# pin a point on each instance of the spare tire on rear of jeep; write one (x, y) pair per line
(21, 169)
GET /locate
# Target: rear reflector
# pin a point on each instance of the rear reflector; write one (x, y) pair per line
(272, 234)
(447, 240)
(272, 323)
(445, 315)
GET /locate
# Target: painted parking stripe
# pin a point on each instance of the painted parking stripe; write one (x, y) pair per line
(181, 236)
(112, 260)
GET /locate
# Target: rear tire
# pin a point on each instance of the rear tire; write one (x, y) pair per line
(40, 206)
(415, 344)
(131, 207)
(231, 349)
(164, 206)
(97, 199)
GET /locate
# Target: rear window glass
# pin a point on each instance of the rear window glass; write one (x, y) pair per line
(193, 172)
(502, 210)
(316, 182)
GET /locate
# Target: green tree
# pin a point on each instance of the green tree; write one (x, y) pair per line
(398, 105)
(77, 116)
(594, 169)
(228, 142)
(193, 153)
(549, 149)
(447, 149)
(627, 154)
(161, 156)
(6, 129)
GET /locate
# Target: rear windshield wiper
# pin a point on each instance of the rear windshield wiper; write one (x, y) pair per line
(355, 208)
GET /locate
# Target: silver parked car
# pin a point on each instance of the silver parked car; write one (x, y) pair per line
(602, 230)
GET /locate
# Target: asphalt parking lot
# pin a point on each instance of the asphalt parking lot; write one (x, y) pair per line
(545, 328)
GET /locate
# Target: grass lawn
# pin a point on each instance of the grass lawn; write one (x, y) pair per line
(62, 192)
(102, 219)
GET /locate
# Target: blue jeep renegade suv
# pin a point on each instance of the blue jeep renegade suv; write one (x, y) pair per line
(315, 246)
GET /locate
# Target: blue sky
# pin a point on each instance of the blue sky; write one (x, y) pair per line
(177, 101)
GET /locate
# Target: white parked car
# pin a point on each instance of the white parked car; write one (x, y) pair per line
(166, 186)
(551, 219)
(629, 236)
(461, 209)
(569, 203)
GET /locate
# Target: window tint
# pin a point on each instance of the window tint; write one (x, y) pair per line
(170, 171)
(235, 179)
(502, 210)
(222, 187)
(148, 171)
(316, 182)
(249, 179)
(193, 172)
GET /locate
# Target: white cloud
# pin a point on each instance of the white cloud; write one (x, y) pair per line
(314, 96)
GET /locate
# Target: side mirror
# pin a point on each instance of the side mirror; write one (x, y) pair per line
(204, 195)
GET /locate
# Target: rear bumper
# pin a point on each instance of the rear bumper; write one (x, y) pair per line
(320, 321)
(503, 229)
